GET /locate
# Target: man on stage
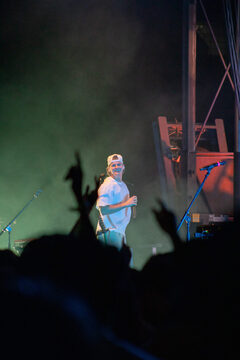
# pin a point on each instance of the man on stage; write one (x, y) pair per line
(114, 204)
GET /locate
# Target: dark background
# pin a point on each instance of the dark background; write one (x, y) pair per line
(92, 76)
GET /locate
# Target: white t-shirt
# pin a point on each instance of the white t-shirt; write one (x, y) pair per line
(113, 192)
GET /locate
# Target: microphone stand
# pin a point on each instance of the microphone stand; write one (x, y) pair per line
(8, 226)
(187, 216)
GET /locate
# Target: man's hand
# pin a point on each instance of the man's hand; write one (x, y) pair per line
(132, 201)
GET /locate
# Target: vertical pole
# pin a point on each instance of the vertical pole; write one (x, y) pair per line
(189, 98)
(237, 130)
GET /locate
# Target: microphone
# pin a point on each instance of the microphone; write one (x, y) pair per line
(210, 167)
(37, 193)
(134, 212)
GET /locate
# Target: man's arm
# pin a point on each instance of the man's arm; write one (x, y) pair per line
(111, 209)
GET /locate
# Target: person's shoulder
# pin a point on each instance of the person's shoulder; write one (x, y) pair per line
(124, 184)
(108, 179)
(107, 182)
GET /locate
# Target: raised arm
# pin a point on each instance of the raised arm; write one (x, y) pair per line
(166, 219)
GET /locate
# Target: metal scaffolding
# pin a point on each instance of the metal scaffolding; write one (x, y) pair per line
(191, 132)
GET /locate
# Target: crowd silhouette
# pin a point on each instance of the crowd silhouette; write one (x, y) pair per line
(70, 296)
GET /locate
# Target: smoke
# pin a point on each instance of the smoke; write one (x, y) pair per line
(80, 76)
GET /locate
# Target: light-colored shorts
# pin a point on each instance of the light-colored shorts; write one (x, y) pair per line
(112, 238)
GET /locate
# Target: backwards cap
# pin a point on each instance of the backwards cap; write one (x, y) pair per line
(114, 158)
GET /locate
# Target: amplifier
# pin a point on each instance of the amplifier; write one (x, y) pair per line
(206, 219)
(206, 225)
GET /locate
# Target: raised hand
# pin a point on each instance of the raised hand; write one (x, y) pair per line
(87, 200)
(75, 174)
(166, 219)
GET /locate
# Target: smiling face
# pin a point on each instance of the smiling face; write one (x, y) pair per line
(115, 170)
